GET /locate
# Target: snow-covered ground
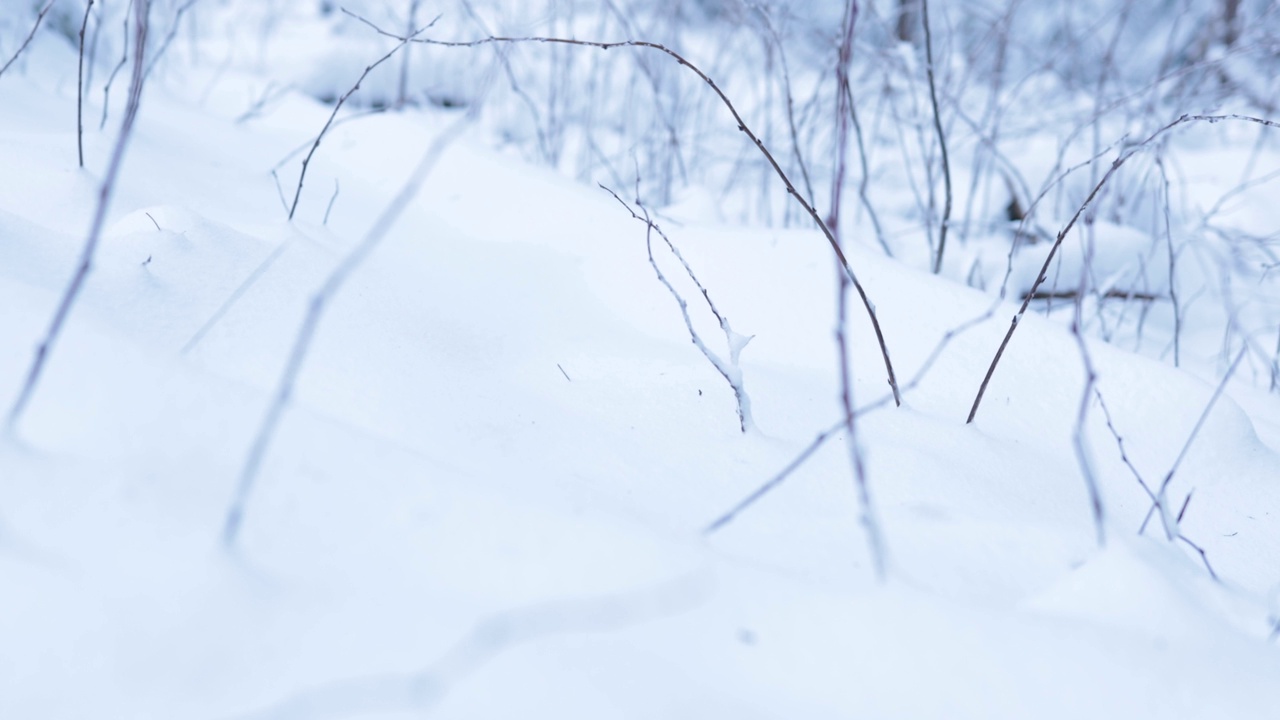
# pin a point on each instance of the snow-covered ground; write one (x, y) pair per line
(488, 492)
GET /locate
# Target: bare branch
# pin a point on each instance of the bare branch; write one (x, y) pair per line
(942, 136)
(742, 127)
(80, 86)
(105, 192)
(39, 19)
(1120, 160)
(774, 481)
(729, 370)
(337, 106)
(315, 311)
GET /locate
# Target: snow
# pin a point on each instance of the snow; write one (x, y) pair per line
(488, 492)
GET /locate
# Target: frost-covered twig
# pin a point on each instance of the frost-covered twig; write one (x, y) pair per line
(742, 127)
(1120, 160)
(416, 693)
(315, 310)
(39, 19)
(105, 192)
(730, 369)
(1079, 441)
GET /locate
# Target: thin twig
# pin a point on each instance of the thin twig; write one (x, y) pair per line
(226, 306)
(315, 311)
(124, 59)
(1062, 234)
(337, 106)
(105, 192)
(863, 411)
(39, 19)
(742, 127)
(942, 136)
(332, 200)
(80, 87)
(173, 32)
(865, 181)
(1079, 439)
(875, 539)
(773, 482)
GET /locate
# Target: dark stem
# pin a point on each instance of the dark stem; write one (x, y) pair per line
(105, 192)
(80, 87)
(742, 127)
(39, 19)
(942, 136)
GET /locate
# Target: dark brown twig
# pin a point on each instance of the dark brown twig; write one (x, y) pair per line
(729, 370)
(1112, 294)
(105, 192)
(1062, 234)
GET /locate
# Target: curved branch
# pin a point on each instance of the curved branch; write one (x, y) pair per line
(742, 127)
